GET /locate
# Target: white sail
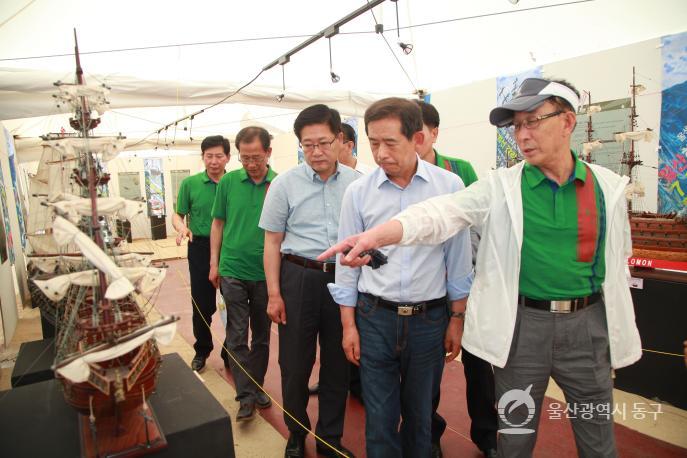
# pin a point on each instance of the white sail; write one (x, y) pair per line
(48, 264)
(78, 370)
(646, 135)
(634, 190)
(65, 232)
(75, 207)
(96, 94)
(588, 147)
(71, 148)
(146, 279)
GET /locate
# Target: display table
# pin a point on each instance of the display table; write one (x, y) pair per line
(661, 314)
(36, 421)
(33, 362)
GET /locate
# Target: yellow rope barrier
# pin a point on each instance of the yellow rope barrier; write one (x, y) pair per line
(274, 401)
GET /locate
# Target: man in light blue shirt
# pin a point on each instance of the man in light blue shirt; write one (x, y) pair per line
(396, 320)
(300, 218)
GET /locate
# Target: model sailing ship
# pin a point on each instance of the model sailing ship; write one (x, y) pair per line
(655, 236)
(106, 354)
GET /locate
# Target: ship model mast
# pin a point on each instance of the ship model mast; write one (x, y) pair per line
(631, 158)
(83, 123)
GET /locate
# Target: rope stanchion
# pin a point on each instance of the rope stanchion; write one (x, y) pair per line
(274, 401)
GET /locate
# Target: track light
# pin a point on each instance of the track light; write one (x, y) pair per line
(335, 78)
(406, 47)
(280, 97)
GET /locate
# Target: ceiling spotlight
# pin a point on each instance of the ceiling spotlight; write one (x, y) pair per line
(335, 78)
(280, 97)
(406, 47)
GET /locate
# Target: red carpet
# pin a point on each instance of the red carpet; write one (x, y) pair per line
(555, 436)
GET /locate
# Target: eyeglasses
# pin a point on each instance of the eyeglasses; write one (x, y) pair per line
(533, 122)
(323, 146)
(251, 160)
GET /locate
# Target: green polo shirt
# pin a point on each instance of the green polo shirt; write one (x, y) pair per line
(564, 228)
(195, 199)
(239, 204)
(458, 166)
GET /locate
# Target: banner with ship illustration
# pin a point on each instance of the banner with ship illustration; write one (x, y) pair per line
(507, 152)
(672, 154)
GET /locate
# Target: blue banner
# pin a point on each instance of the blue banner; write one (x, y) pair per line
(15, 187)
(672, 154)
(507, 152)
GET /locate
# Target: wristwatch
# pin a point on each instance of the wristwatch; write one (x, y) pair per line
(459, 315)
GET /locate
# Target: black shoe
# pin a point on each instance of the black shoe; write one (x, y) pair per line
(314, 388)
(198, 363)
(246, 411)
(295, 447)
(436, 450)
(328, 452)
(490, 453)
(262, 401)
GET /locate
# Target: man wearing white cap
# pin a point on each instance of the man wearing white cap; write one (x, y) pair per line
(550, 296)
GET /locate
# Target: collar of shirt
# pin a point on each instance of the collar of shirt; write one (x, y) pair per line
(207, 179)
(534, 177)
(421, 172)
(268, 178)
(312, 175)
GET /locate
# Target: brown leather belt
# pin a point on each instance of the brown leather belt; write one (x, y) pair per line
(408, 308)
(309, 263)
(561, 306)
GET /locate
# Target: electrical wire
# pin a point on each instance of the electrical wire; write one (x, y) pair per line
(282, 37)
(392, 51)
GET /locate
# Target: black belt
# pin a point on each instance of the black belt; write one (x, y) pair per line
(309, 263)
(560, 306)
(408, 308)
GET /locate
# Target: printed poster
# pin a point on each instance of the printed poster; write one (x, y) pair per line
(155, 186)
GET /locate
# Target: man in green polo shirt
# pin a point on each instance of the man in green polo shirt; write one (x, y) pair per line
(550, 297)
(194, 202)
(479, 376)
(236, 264)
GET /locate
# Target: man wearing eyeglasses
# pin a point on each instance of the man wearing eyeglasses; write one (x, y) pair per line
(301, 219)
(550, 296)
(236, 266)
(194, 203)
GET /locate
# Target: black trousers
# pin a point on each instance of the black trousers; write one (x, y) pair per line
(481, 396)
(311, 312)
(203, 293)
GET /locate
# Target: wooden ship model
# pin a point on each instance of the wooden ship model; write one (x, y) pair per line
(655, 236)
(106, 354)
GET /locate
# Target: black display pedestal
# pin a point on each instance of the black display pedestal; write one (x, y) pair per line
(158, 227)
(661, 313)
(124, 229)
(36, 421)
(33, 362)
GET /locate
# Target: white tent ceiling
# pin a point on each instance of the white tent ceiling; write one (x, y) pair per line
(216, 47)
